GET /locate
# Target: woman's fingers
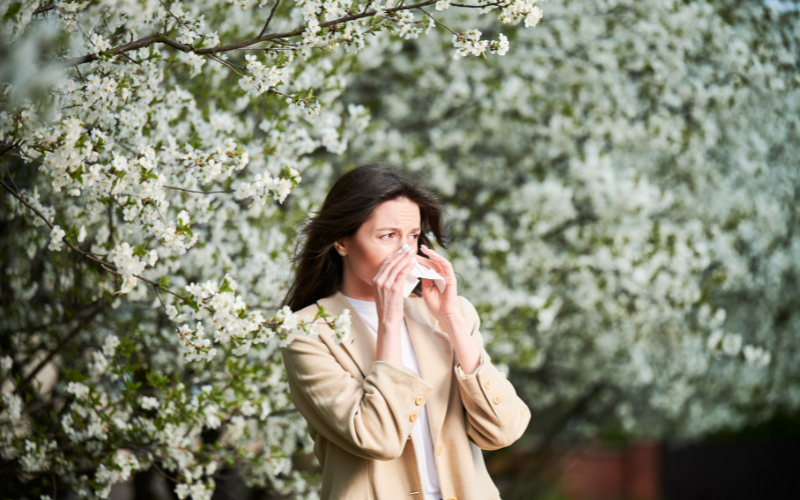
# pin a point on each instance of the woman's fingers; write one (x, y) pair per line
(386, 275)
(391, 258)
(442, 263)
(399, 272)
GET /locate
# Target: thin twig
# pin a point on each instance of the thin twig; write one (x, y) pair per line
(106, 265)
(438, 22)
(66, 340)
(269, 19)
(199, 192)
(225, 63)
(463, 5)
(39, 10)
(179, 20)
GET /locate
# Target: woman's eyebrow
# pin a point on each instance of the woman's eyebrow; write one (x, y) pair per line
(395, 229)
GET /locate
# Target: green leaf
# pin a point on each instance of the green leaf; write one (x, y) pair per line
(72, 234)
(321, 313)
(191, 303)
(141, 250)
(226, 286)
(74, 375)
(164, 281)
(12, 11)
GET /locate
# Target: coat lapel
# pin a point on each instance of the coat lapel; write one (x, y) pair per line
(432, 347)
(360, 344)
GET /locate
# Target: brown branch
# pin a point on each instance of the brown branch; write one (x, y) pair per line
(105, 265)
(10, 147)
(60, 346)
(199, 192)
(162, 38)
(269, 19)
(437, 21)
(463, 5)
(225, 63)
(39, 10)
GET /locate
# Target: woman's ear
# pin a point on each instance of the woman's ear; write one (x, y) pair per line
(337, 245)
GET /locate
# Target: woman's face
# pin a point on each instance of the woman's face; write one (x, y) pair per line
(392, 223)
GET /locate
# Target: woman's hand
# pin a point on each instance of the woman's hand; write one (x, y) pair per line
(441, 305)
(388, 288)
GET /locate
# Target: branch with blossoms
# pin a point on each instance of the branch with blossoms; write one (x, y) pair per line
(511, 11)
(228, 310)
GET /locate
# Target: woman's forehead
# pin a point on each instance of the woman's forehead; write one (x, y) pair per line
(400, 213)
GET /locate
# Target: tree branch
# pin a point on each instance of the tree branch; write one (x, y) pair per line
(269, 19)
(199, 192)
(105, 265)
(39, 10)
(60, 346)
(437, 21)
(162, 38)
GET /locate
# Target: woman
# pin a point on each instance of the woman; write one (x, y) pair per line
(402, 407)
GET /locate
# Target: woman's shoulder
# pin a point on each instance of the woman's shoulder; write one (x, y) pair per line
(309, 310)
(468, 310)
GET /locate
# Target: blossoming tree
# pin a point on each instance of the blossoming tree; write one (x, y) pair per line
(146, 150)
(624, 194)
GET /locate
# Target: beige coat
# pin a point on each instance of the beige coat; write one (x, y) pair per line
(360, 412)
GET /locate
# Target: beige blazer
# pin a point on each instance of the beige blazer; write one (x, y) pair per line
(360, 411)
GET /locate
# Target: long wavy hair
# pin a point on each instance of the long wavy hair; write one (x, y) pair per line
(349, 203)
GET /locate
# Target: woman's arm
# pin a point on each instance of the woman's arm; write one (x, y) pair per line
(372, 419)
(496, 416)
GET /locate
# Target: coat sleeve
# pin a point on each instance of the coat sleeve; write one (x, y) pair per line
(496, 416)
(370, 419)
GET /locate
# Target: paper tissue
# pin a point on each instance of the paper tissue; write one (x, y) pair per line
(418, 272)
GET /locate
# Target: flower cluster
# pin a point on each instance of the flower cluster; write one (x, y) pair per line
(470, 43)
(129, 265)
(513, 11)
(261, 78)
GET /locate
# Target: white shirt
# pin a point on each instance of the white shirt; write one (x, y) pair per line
(420, 431)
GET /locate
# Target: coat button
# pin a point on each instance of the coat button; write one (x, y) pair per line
(439, 450)
(412, 417)
(488, 384)
(496, 399)
(419, 400)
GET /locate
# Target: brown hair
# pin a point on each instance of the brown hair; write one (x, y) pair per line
(349, 203)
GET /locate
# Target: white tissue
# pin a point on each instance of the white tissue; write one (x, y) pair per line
(418, 272)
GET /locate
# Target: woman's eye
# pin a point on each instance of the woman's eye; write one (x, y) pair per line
(416, 236)
(389, 234)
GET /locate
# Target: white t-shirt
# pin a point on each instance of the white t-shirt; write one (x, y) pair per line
(420, 431)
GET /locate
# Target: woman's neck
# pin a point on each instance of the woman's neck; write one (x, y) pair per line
(356, 288)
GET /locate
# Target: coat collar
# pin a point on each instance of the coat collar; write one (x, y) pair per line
(432, 347)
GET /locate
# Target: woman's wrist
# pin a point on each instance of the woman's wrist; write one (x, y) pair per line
(388, 344)
(452, 322)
